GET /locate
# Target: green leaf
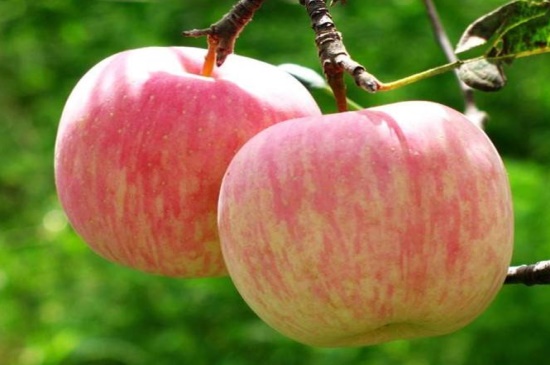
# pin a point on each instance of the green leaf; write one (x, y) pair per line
(524, 16)
(517, 29)
(309, 78)
(532, 36)
(483, 75)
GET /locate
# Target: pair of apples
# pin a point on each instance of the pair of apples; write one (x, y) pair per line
(349, 229)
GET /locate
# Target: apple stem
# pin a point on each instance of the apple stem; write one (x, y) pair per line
(335, 79)
(352, 104)
(221, 36)
(454, 65)
(210, 58)
(529, 275)
(388, 86)
(333, 55)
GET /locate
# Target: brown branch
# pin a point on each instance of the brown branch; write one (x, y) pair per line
(335, 60)
(223, 34)
(529, 275)
(470, 108)
(333, 55)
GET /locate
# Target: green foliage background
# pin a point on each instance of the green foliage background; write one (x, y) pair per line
(62, 304)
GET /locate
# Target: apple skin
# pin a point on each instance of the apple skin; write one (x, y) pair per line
(143, 144)
(364, 227)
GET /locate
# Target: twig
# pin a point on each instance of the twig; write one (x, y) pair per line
(529, 275)
(222, 35)
(335, 59)
(388, 86)
(333, 55)
(471, 110)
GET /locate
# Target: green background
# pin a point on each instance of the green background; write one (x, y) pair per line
(62, 304)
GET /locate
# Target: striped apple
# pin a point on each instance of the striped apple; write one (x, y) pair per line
(363, 227)
(142, 146)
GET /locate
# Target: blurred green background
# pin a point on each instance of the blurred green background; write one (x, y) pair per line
(62, 304)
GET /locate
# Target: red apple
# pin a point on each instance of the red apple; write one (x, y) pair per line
(363, 227)
(142, 146)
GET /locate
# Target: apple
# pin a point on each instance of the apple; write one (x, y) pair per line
(364, 227)
(142, 146)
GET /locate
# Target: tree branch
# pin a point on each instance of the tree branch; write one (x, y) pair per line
(223, 34)
(471, 110)
(335, 60)
(529, 275)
